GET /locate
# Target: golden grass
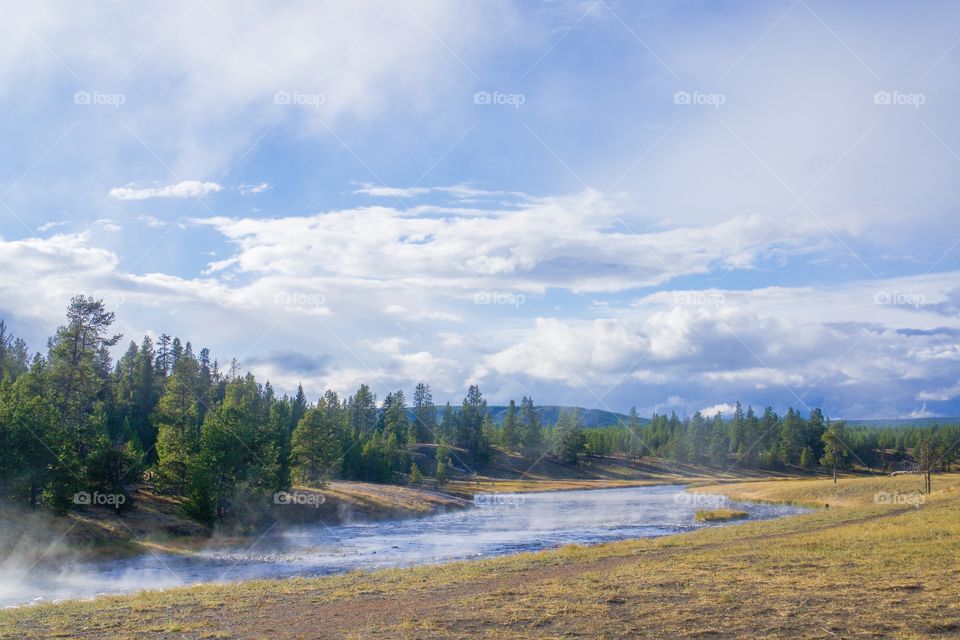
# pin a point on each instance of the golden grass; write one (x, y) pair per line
(719, 515)
(864, 568)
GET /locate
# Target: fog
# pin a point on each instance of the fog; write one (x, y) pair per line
(498, 525)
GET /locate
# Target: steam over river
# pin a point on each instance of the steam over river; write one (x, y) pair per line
(499, 525)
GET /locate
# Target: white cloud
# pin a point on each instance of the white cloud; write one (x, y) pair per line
(421, 315)
(463, 191)
(725, 409)
(574, 242)
(152, 221)
(185, 189)
(832, 346)
(392, 192)
(108, 225)
(254, 189)
(52, 225)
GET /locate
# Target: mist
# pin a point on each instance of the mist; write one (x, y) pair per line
(498, 524)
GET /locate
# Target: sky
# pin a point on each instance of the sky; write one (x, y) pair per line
(609, 204)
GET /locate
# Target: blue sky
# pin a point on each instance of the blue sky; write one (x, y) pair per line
(667, 205)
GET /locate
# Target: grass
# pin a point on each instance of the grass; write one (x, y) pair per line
(719, 515)
(863, 568)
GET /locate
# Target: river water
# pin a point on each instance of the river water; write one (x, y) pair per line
(498, 525)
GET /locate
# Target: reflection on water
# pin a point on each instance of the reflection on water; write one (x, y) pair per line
(499, 525)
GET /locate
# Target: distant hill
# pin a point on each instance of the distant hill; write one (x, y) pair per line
(903, 422)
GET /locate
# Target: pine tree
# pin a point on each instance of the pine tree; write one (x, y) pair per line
(448, 424)
(424, 414)
(176, 419)
(719, 445)
(806, 458)
(511, 428)
(416, 478)
(163, 363)
(532, 432)
(835, 447)
(442, 462)
(79, 366)
(363, 411)
(316, 448)
(570, 438)
(394, 416)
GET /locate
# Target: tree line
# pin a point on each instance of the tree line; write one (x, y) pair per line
(777, 442)
(72, 421)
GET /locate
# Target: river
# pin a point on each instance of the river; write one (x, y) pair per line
(498, 525)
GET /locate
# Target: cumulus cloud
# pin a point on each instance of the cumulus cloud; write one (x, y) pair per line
(185, 189)
(754, 346)
(725, 409)
(574, 242)
(833, 346)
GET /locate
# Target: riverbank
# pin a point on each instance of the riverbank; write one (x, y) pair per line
(155, 524)
(880, 562)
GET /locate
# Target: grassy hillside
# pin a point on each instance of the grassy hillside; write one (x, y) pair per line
(861, 569)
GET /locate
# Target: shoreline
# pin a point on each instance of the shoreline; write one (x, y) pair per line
(242, 543)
